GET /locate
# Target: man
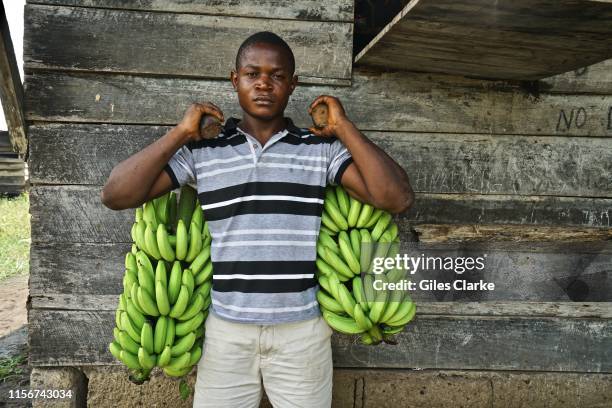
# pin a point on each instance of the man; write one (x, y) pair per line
(261, 185)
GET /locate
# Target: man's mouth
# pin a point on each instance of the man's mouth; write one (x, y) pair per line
(262, 100)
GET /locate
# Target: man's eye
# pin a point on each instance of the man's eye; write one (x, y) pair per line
(251, 74)
(278, 76)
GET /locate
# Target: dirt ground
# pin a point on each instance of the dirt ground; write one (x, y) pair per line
(14, 336)
(13, 298)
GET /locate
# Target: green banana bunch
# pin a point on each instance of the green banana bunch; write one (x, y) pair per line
(160, 315)
(352, 235)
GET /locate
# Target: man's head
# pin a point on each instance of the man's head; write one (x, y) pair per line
(264, 75)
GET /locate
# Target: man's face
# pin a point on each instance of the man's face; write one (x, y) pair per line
(263, 81)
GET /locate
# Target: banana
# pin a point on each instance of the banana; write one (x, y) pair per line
(366, 250)
(376, 334)
(172, 240)
(342, 324)
(326, 240)
(139, 233)
(346, 250)
(134, 298)
(127, 343)
(116, 332)
(195, 242)
(392, 230)
(122, 304)
(328, 222)
(324, 283)
(354, 210)
(138, 214)
(181, 240)
(130, 261)
(170, 372)
(161, 298)
(146, 302)
(366, 339)
(135, 248)
(165, 249)
(355, 238)
(368, 289)
(364, 215)
(174, 284)
(182, 328)
(146, 281)
(186, 204)
(199, 260)
(204, 275)
(343, 201)
(131, 277)
(188, 281)
(380, 300)
(129, 359)
(143, 260)
(183, 344)
(164, 357)
(374, 218)
(137, 318)
(198, 218)
(323, 228)
(128, 327)
(162, 209)
(329, 303)
(404, 314)
(115, 349)
(180, 362)
(324, 267)
(161, 273)
(203, 290)
(334, 285)
(151, 241)
(170, 332)
(381, 225)
(196, 354)
(359, 294)
(159, 337)
(148, 214)
(330, 196)
(346, 300)
(361, 319)
(181, 302)
(336, 215)
(197, 303)
(394, 302)
(146, 337)
(390, 330)
(172, 208)
(336, 263)
(145, 359)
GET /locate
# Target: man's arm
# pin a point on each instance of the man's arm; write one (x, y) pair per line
(373, 177)
(140, 177)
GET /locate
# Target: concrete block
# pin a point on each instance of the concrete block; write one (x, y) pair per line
(61, 379)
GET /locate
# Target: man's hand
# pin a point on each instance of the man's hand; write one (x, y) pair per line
(190, 124)
(336, 117)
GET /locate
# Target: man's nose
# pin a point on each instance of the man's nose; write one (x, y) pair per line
(263, 82)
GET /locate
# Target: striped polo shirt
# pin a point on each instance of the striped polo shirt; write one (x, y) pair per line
(263, 205)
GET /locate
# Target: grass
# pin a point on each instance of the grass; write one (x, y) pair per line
(12, 366)
(14, 236)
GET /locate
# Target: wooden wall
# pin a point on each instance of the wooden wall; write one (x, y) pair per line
(520, 169)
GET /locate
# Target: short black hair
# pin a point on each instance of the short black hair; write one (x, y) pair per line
(266, 37)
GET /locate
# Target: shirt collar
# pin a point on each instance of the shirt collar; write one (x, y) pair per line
(231, 125)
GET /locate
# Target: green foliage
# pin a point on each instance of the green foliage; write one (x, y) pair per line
(14, 236)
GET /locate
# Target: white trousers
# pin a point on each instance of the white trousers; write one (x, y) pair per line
(293, 360)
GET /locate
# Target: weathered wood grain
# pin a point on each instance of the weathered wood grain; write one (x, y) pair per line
(335, 10)
(592, 79)
(375, 101)
(495, 343)
(58, 301)
(11, 89)
(513, 39)
(75, 213)
(74, 38)
(436, 163)
(95, 269)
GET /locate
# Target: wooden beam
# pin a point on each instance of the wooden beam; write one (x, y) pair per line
(505, 39)
(11, 89)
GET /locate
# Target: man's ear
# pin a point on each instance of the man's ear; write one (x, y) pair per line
(234, 79)
(294, 82)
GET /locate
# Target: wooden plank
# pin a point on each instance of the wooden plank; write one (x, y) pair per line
(436, 163)
(158, 43)
(593, 79)
(77, 212)
(59, 301)
(512, 39)
(11, 89)
(376, 101)
(444, 342)
(335, 10)
(95, 269)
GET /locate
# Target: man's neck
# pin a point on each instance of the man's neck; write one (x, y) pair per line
(262, 130)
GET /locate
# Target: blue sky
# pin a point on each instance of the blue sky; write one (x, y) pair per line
(14, 15)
